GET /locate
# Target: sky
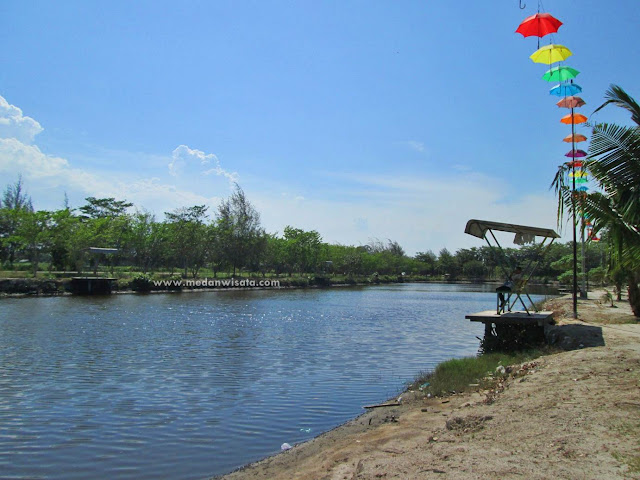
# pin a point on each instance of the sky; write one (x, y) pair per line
(361, 120)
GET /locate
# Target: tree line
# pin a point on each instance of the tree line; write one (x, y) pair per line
(230, 240)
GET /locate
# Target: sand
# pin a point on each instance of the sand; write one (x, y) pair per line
(573, 414)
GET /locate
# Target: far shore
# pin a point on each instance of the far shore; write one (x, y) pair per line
(43, 287)
(572, 414)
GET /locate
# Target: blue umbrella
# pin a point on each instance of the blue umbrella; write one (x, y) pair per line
(565, 90)
(582, 189)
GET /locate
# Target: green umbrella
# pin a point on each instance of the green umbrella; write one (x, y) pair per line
(560, 74)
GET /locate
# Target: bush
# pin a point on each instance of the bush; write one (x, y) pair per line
(141, 283)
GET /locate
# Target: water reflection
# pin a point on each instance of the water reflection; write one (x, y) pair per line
(191, 385)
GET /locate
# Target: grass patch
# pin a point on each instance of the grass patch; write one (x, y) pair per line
(633, 462)
(456, 375)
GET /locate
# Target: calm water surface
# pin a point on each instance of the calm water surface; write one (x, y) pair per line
(191, 385)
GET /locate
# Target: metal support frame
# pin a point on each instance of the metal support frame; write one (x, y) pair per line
(540, 253)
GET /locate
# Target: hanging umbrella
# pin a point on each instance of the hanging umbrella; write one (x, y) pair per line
(575, 163)
(539, 25)
(581, 180)
(575, 138)
(565, 90)
(573, 118)
(551, 54)
(571, 102)
(560, 74)
(579, 174)
(583, 189)
(576, 154)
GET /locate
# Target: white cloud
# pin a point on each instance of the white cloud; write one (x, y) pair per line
(13, 124)
(48, 176)
(415, 145)
(184, 159)
(16, 156)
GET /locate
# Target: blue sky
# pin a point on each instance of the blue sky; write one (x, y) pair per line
(358, 119)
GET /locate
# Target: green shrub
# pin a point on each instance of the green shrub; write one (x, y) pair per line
(141, 283)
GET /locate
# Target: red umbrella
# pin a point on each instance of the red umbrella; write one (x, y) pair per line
(571, 102)
(539, 25)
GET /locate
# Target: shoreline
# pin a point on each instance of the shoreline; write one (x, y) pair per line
(535, 423)
(245, 288)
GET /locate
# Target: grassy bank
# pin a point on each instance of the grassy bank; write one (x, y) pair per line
(469, 373)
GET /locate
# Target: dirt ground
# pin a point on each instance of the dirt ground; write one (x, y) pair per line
(574, 414)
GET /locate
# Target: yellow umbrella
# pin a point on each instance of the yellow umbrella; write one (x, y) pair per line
(551, 54)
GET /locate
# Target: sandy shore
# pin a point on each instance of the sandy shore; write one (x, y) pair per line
(574, 414)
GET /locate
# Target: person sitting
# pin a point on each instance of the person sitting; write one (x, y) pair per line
(514, 282)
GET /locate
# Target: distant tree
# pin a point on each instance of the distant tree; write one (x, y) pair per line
(188, 237)
(147, 241)
(302, 249)
(15, 198)
(14, 203)
(32, 236)
(427, 261)
(104, 207)
(474, 269)
(394, 248)
(447, 264)
(239, 230)
(352, 263)
(275, 254)
(215, 254)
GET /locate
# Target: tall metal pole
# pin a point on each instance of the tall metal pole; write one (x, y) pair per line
(583, 281)
(573, 207)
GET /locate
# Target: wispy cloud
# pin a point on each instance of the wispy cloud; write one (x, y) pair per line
(415, 146)
(184, 157)
(421, 213)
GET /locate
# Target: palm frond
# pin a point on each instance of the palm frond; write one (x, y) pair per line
(562, 190)
(614, 156)
(617, 96)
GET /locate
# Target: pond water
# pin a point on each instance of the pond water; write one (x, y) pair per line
(191, 385)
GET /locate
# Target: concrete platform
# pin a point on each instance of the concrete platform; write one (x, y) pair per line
(92, 285)
(512, 318)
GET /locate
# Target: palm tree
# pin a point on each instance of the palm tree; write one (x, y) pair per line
(614, 163)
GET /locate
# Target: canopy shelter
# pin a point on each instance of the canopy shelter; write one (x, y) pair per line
(106, 251)
(517, 278)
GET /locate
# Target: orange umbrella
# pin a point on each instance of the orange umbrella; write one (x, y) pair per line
(573, 118)
(574, 138)
(571, 102)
